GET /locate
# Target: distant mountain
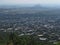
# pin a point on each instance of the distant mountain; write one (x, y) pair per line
(25, 7)
(38, 6)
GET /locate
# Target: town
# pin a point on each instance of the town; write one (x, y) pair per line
(43, 26)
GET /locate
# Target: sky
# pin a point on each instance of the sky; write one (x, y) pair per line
(19, 2)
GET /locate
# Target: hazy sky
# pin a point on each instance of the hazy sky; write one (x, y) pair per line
(3, 2)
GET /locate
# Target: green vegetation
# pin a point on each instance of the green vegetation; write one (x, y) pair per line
(14, 39)
(58, 43)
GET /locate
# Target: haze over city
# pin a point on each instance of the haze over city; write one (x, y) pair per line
(31, 2)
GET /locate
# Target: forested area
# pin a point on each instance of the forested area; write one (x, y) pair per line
(14, 39)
